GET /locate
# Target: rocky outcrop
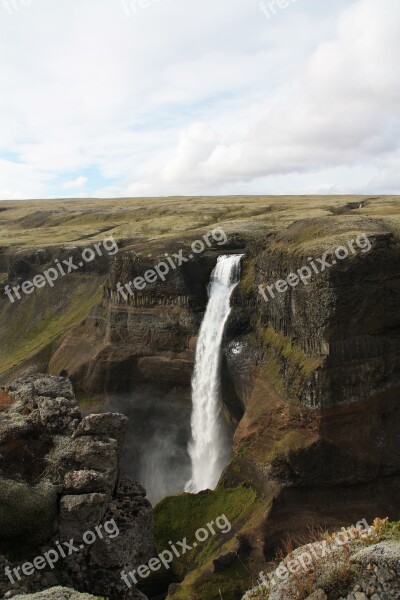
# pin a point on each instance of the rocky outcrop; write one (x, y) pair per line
(347, 316)
(358, 569)
(57, 593)
(60, 483)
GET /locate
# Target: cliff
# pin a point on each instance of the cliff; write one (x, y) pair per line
(60, 482)
(320, 431)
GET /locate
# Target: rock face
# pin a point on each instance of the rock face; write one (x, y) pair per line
(140, 340)
(60, 483)
(146, 338)
(318, 373)
(141, 350)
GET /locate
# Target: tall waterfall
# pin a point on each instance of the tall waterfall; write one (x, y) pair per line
(209, 449)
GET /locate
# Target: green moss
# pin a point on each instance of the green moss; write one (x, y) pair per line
(286, 366)
(386, 530)
(394, 531)
(285, 348)
(247, 278)
(181, 516)
(292, 440)
(27, 514)
(229, 584)
(272, 372)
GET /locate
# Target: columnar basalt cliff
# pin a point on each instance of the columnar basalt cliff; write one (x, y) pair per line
(60, 478)
(319, 378)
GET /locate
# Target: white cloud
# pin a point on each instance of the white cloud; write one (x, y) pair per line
(19, 180)
(343, 109)
(75, 184)
(190, 97)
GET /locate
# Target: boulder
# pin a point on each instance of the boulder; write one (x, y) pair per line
(79, 514)
(85, 481)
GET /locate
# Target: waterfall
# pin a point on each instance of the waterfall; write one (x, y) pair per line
(209, 448)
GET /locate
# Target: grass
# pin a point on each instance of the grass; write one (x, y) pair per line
(325, 233)
(36, 224)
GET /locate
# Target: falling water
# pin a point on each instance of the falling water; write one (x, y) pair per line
(209, 448)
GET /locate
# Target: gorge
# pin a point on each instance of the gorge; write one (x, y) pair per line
(309, 382)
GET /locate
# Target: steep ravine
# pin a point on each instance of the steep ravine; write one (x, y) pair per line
(310, 382)
(317, 372)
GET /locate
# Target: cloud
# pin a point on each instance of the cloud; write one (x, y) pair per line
(198, 98)
(20, 180)
(342, 110)
(77, 183)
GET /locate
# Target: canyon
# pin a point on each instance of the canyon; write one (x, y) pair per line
(309, 380)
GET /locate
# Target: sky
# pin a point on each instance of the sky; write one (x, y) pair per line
(117, 98)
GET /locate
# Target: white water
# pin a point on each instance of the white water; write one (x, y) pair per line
(209, 449)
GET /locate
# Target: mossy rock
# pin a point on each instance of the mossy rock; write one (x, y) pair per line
(180, 516)
(27, 512)
(192, 575)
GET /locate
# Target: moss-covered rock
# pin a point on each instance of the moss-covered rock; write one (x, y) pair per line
(222, 562)
(27, 512)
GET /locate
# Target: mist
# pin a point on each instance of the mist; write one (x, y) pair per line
(155, 451)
